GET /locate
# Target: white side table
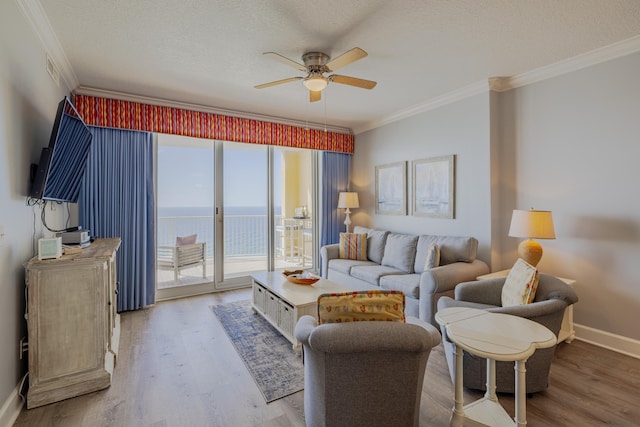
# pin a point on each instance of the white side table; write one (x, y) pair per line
(567, 332)
(493, 336)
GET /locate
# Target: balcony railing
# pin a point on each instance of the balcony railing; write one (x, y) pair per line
(245, 244)
(244, 235)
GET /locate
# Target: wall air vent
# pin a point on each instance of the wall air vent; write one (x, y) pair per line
(53, 71)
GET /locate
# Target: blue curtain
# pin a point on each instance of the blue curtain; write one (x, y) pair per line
(334, 178)
(116, 200)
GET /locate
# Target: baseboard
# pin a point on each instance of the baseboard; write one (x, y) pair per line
(11, 408)
(607, 340)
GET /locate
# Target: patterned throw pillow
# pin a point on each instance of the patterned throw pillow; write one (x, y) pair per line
(353, 246)
(433, 257)
(379, 305)
(520, 286)
(186, 240)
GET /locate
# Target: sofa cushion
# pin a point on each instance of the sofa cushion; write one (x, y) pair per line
(520, 286)
(400, 252)
(409, 284)
(376, 240)
(452, 249)
(353, 246)
(372, 273)
(345, 265)
(373, 305)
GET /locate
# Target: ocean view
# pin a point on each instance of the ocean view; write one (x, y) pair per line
(245, 227)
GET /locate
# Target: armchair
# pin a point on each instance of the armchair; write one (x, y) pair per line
(180, 257)
(552, 297)
(364, 373)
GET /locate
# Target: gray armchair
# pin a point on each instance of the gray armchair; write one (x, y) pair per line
(552, 297)
(364, 373)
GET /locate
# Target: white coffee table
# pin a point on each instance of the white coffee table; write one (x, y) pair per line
(282, 303)
(493, 336)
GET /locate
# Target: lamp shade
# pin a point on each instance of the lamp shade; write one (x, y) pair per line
(532, 224)
(348, 200)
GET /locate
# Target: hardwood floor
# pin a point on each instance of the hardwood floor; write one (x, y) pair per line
(176, 367)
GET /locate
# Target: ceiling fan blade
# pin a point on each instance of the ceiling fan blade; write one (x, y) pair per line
(278, 82)
(352, 81)
(314, 95)
(286, 60)
(346, 58)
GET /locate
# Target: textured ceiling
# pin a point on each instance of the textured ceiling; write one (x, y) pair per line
(209, 52)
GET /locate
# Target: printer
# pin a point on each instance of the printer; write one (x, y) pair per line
(75, 237)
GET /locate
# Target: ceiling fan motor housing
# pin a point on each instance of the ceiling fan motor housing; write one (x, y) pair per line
(315, 61)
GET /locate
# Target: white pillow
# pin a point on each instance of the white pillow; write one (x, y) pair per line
(433, 257)
(520, 286)
(186, 240)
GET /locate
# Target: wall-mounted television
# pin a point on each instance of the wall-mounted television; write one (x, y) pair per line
(62, 163)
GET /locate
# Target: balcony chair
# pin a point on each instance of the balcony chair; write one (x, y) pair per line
(552, 297)
(364, 373)
(185, 254)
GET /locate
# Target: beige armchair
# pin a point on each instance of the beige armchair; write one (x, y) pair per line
(180, 257)
(364, 373)
(552, 297)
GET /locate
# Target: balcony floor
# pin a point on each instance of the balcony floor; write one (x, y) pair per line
(233, 267)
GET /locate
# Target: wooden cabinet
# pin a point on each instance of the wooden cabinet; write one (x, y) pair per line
(72, 322)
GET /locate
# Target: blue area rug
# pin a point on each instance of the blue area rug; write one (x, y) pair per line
(269, 357)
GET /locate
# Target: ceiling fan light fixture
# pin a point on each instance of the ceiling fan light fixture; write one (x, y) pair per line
(315, 83)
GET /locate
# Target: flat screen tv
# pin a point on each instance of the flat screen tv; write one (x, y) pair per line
(62, 163)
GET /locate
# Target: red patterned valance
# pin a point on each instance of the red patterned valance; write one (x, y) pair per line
(119, 114)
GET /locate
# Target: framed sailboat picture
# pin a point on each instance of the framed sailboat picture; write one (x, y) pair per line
(434, 187)
(391, 189)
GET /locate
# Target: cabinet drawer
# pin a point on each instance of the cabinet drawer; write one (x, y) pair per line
(259, 296)
(272, 307)
(286, 318)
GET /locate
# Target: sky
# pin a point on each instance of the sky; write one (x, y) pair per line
(186, 175)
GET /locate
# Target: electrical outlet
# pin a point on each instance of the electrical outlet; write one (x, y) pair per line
(23, 346)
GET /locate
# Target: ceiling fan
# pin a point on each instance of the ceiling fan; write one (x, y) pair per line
(318, 63)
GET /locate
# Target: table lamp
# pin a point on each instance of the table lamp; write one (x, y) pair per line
(531, 224)
(348, 200)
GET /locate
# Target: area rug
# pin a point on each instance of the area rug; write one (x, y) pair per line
(269, 357)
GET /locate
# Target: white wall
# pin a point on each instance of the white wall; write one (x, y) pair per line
(570, 144)
(576, 145)
(461, 128)
(28, 102)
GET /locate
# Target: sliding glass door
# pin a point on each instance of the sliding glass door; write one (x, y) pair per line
(245, 210)
(185, 211)
(293, 200)
(226, 210)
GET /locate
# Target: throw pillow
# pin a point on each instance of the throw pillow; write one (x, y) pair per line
(353, 246)
(400, 252)
(186, 240)
(373, 305)
(520, 286)
(433, 257)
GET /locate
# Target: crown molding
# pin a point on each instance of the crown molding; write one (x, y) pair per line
(575, 63)
(33, 11)
(503, 84)
(104, 93)
(432, 104)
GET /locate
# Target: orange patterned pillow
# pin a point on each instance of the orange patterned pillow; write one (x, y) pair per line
(380, 305)
(353, 246)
